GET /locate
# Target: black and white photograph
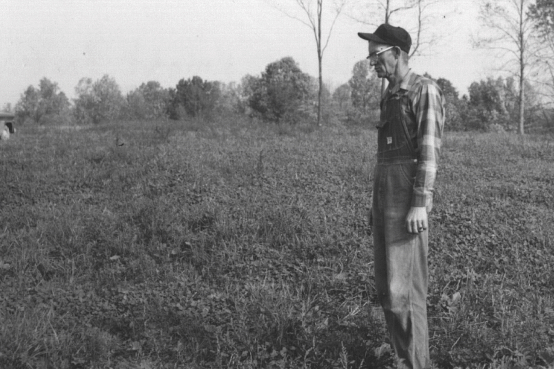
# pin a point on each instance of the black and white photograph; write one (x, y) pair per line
(277, 184)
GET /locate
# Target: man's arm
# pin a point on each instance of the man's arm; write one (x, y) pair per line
(428, 106)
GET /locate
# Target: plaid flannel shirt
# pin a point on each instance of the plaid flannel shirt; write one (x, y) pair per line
(425, 119)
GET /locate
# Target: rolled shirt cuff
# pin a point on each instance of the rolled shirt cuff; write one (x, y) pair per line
(421, 200)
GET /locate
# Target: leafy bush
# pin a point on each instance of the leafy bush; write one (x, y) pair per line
(496, 101)
(365, 88)
(149, 101)
(342, 96)
(283, 93)
(357, 117)
(45, 105)
(359, 98)
(230, 100)
(195, 97)
(99, 101)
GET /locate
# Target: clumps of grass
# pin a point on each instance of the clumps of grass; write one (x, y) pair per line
(230, 244)
(37, 337)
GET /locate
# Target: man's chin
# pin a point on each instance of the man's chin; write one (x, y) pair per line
(380, 73)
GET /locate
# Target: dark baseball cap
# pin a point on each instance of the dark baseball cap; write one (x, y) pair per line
(390, 35)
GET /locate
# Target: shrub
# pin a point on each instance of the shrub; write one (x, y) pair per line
(342, 97)
(43, 105)
(365, 88)
(98, 102)
(283, 93)
(197, 97)
(148, 101)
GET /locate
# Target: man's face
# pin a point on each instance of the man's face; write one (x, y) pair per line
(381, 58)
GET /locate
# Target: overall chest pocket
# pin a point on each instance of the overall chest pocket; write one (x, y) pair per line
(392, 130)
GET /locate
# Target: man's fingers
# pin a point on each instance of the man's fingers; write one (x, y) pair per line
(422, 226)
(416, 227)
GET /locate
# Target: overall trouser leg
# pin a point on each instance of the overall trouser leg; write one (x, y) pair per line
(400, 261)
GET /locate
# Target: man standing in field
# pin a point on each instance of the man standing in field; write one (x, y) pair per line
(408, 145)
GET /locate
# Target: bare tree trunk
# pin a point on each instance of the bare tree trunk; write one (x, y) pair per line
(521, 71)
(521, 101)
(319, 59)
(316, 26)
(510, 32)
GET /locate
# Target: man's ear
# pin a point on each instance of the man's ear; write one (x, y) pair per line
(398, 52)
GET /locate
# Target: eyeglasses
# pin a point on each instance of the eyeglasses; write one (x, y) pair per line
(373, 56)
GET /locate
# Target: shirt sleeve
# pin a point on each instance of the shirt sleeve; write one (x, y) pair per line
(428, 106)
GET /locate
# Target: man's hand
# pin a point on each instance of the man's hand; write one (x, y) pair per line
(416, 221)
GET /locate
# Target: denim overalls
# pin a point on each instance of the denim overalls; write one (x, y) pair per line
(400, 257)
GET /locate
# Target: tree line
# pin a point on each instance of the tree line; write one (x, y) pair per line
(282, 93)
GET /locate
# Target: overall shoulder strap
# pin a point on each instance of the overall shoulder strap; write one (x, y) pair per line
(404, 101)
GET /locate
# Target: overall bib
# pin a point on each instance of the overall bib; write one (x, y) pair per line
(400, 258)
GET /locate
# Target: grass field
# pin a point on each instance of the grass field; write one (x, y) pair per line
(235, 244)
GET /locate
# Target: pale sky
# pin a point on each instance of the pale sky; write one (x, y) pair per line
(135, 41)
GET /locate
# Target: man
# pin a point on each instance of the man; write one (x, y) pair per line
(408, 144)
